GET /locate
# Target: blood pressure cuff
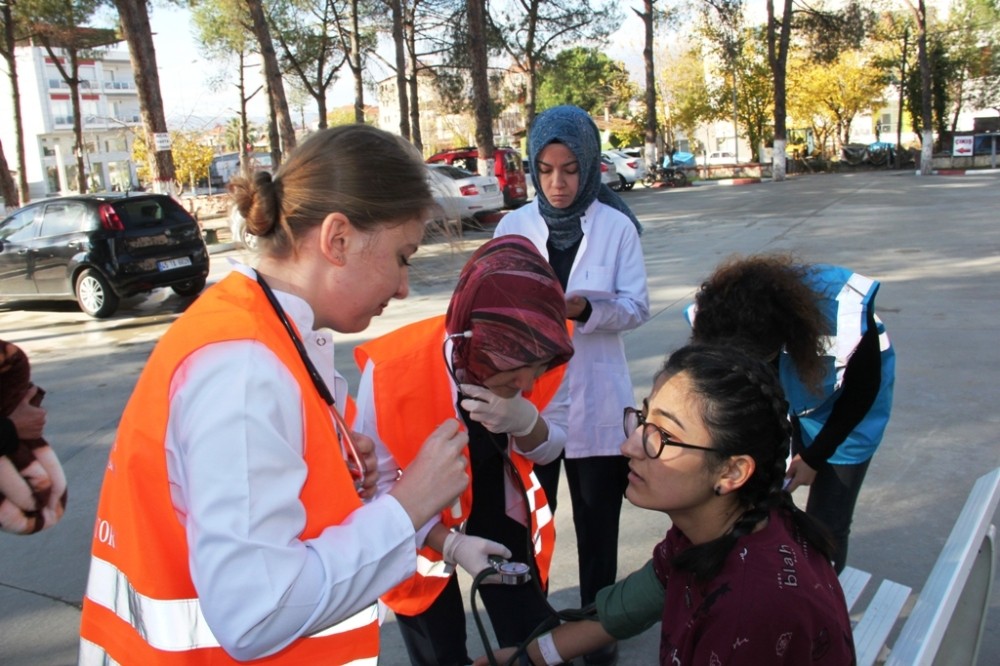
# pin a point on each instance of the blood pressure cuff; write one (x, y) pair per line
(632, 605)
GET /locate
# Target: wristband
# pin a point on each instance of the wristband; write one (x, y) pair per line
(547, 646)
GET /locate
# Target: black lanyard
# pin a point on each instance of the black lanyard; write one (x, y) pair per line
(317, 379)
(355, 464)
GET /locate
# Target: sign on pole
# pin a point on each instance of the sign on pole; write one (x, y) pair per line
(962, 146)
(161, 141)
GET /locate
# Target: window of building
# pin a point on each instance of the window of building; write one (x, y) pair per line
(62, 112)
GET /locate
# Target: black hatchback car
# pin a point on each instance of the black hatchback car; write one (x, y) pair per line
(99, 248)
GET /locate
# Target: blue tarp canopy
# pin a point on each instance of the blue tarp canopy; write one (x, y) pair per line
(681, 159)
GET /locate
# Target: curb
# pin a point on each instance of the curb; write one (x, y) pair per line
(738, 181)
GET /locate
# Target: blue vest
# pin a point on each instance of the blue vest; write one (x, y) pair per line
(844, 299)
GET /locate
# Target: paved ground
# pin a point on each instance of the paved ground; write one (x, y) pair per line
(933, 241)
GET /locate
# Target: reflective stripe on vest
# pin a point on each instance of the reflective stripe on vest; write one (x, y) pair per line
(175, 625)
(92, 654)
(852, 312)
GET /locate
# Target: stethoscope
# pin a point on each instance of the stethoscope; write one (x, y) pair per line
(355, 464)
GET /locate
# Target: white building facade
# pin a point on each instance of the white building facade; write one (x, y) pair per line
(109, 108)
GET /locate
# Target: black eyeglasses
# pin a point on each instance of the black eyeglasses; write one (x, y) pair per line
(651, 433)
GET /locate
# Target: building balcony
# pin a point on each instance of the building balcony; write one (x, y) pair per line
(119, 86)
(85, 84)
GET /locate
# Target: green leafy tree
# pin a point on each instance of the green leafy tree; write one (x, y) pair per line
(941, 70)
(685, 93)
(140, 157)
(833, 94)
(530, 30)
(191, 158)
(972, 39)
(589, 79)
(311, 46)
(745, 84)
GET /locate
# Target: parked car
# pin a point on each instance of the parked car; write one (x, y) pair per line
(462, 195)
(609, 174)
(100, 248)
(630, 169)
(507, 167)
(528, 182)
(721, 157)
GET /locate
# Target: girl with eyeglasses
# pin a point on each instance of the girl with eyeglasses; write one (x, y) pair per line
(743, 576)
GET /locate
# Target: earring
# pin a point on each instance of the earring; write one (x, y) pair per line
(718, 491)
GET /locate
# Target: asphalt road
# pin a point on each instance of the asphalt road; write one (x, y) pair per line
(933, 241)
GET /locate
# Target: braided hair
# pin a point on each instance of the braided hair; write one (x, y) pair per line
(744, 410)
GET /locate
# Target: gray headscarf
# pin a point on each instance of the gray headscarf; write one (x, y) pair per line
(572, 127)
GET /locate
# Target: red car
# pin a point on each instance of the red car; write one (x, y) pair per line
(506, 167)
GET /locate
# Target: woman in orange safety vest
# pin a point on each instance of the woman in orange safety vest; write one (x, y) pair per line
(233, 524)
(495, 361)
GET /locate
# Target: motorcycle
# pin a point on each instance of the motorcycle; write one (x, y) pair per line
(670, 176)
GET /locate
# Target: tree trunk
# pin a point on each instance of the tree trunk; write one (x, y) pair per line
(927, 135)
(480, 84)
(244, 123)
(272, 76)
(778, 38)
(649, 135)
(72, 80)
(902, 96)
(531, 85)
(414, 85)
(400, 49)
(530, 90)
(355, 60)
(7, 188)
(137, 32)
(320, 109)
(22, 194)
(78, 148)
(273, 138)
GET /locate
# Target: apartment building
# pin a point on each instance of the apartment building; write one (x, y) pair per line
(442, 129)
(109, 106)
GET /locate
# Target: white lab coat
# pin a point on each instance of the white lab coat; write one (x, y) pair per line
(610, 271)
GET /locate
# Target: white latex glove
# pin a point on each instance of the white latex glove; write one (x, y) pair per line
(471, 553)
(516, 415)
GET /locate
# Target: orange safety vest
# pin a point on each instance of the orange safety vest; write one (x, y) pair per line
(141, 606)
(413, 395)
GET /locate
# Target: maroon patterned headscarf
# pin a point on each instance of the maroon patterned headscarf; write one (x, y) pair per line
(511, 300)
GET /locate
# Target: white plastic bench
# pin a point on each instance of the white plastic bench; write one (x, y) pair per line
(949, 614)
